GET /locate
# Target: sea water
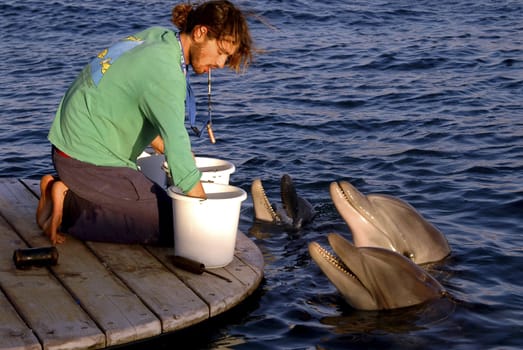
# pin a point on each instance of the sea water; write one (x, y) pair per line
(422, 100)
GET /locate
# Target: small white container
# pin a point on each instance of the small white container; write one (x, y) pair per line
(205, 230)
(215, 170)
(212, 169)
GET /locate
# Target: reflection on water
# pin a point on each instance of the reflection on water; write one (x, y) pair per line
(405, 320)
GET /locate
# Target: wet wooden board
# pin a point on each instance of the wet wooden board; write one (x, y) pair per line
(15, 333)
(101, 294)
(168, 297)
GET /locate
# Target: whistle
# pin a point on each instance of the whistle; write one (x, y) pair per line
(211, 133)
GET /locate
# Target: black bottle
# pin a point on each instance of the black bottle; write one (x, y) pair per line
(39, 257)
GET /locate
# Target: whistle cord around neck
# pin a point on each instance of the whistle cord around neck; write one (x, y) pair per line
(190, 106)
(190, 100)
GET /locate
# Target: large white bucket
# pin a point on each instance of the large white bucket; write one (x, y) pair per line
(205, 230)
(212, 169)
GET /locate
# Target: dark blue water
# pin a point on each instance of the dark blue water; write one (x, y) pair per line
(422, 100)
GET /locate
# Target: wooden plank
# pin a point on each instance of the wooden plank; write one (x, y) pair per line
(249, 253)
(41, 301)
(18, 206)
(117, 310)
(219, 294)
(53, 315)
(248, 267)
(172, 301)
(14, 333)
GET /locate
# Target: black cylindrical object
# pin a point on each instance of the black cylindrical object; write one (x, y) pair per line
(39, 257)
(194, 266)
(188, 264)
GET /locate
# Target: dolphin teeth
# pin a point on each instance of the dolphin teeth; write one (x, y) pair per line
(294, 213)
(349, 198)
(336, 262)
(381, 220)
(268, 205)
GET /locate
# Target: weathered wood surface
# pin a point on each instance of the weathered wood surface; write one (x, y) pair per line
(100, 294)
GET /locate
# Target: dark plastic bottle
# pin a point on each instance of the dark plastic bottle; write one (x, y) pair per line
(38, 257)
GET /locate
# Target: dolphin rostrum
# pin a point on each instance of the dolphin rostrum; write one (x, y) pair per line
(296, 211)
(372, 278)
(378, 220)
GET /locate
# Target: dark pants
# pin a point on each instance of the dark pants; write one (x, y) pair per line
(113, 204)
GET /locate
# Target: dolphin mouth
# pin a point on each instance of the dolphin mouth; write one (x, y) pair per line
(295, 211)
(264, 211)
(353, 198)
(360, 217)
(380, 220)
(345, 279)
(334, 261)
(373, 278)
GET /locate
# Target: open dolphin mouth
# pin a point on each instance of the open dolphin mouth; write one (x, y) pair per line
(334, 261)
(355, 199)
(263, 209)
(295, 211)
(360, 215)
(380, 220)
(372, 278)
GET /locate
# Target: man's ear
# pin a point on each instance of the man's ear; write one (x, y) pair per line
(199, 33)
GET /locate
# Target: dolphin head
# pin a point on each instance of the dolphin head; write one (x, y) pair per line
(295, 211)
(263, 210)
(384, 221)
(372, 278)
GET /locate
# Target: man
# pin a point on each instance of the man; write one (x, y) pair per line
(131, 95)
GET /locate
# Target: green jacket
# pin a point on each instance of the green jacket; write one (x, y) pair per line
(129, 94)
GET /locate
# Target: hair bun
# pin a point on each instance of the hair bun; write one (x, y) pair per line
(180, 13)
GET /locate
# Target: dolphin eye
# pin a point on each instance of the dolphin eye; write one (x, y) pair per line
(408, 255)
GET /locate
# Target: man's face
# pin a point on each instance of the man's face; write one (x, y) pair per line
(208, 53)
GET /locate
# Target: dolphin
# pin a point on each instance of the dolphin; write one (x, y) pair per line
(295, 213)
(371, 278)
(378, 220)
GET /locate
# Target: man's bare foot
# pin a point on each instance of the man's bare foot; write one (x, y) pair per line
(44, 208)
(52, 224)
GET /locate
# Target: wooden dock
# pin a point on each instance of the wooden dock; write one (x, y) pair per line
(101, 295)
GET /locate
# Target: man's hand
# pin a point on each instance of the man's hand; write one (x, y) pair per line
(157, 145)
(197, 191)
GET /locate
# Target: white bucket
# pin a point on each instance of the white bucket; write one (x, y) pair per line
(212, 169)
(215, 170)
(205, 230)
